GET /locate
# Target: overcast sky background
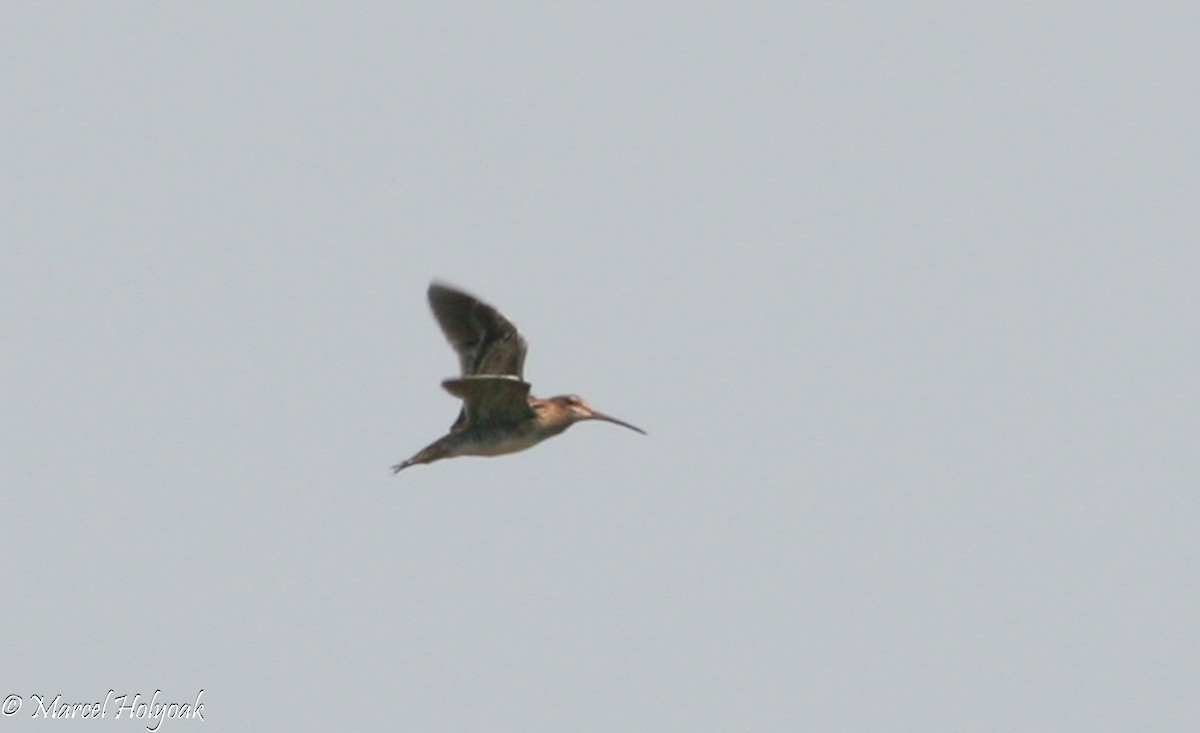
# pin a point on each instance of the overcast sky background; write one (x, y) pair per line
(905, 297)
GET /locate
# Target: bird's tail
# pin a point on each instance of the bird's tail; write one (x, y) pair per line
(430, 453)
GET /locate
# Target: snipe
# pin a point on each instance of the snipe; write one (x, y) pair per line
(498, 415)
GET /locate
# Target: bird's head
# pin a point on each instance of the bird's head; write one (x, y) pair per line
(578, 410)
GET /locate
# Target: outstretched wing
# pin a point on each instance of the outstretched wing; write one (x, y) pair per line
(485, 341)
(490, 400)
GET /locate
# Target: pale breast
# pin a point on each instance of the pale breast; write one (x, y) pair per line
(499, 445)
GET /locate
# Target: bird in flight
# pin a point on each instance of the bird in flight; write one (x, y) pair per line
(498, 414)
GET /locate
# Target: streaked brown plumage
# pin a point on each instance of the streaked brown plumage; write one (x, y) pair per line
(498, 415)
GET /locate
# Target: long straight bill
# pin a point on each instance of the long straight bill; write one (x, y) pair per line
(615, 421)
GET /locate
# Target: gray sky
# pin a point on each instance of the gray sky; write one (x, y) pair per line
(906, 298)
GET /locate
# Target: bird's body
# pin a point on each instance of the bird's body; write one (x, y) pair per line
(498, 416)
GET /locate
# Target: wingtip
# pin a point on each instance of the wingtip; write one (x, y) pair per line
(436, 286)
(439, 285)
